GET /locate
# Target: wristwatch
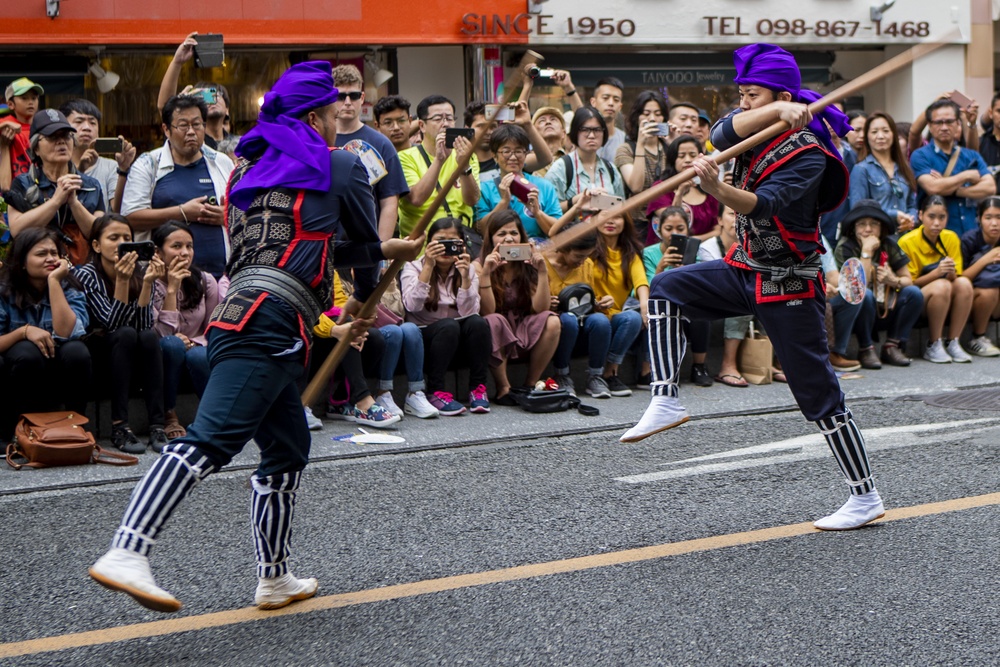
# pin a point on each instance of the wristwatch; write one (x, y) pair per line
(866, 255)
(467, 172)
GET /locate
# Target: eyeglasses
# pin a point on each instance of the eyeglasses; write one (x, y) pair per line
(187, 127)
(355, 95)
(943, 121)
(867, 222)
(394, 122)
(441, 117)
(507, 152)
(590, 131)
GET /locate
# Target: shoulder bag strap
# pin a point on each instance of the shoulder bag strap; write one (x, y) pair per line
(952, 162)
(437, 184)
(113, 458)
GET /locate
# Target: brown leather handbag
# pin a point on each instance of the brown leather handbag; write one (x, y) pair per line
(48, 439)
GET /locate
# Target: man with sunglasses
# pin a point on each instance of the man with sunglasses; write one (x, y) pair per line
(384, 171)
(429, 164)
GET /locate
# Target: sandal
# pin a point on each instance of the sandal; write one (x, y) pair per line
(779, 376)
(736, 381)
(173, 429)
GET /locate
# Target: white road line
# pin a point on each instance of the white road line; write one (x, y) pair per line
(801, 448)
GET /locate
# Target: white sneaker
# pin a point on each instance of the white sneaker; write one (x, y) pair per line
(565, 382)
(418, 406)
(934, 353)
(385, 400)
(128, 572)
(983, 347)
(282, 591)
(957, 352)
(856, 512)
(312, 421)
(663, 412)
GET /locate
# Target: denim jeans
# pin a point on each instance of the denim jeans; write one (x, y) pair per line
(402, 338)
(900, 322)
(176, 357)
(844, 316)
(595, 334)
(625, 328)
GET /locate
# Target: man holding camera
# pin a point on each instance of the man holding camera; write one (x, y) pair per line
(111, 174)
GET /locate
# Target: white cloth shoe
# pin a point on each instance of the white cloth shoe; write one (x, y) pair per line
(856, 512)
(663, 412)
(418, 406)
(936, 354)
(312, 421)
(386, 401)
(957, 352)
(128, 572)
(282, 591)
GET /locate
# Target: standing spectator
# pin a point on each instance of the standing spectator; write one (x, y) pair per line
(584, 172)
(551, 128)
(856, 137)
(981, 259)
(183, 301)
(944, 168)
(538, 156)
(15, 131)
(475, 118)
(515, 300)
(43, 316)
(561, 78)
(608, 100)
(642, 159)
(53, 193)
(85, 118)
(389, 185)
(184, 179)
(124, 344)
(683, 119)
(867, 234)
(430, 163)
(989, 142)
(704, 208)
(936, 268)
(441, 294)
(704, 133)
(885, 174)
(392, 118)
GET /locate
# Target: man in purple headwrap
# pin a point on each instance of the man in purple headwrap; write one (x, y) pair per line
(773, 270)
(296, 209)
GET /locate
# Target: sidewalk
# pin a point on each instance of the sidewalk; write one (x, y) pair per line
(512, 424)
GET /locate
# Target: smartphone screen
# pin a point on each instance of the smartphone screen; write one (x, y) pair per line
(107, 145)
(451, 133)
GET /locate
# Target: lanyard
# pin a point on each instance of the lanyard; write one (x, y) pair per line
(597, 170)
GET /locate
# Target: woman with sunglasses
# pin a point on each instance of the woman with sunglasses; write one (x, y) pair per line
(885, 174)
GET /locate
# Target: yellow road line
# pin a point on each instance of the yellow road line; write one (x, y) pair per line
(399, 591)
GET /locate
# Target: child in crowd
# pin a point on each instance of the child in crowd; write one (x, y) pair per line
(568, 266)
(43, 317)
(936, 268)
(618, 273)
(981, 258)
(183, 302)
(663, 256)
(514, 299)
(120, 301)
(441, 295)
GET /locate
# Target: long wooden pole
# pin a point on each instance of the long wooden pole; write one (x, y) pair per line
(644, 198)
(322, 378)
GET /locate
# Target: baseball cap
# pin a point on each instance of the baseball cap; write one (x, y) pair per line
(49, 121)
(703, 116)
(20, 87)
(548, 111)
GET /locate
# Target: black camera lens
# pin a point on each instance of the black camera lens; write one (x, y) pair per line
(534, 71)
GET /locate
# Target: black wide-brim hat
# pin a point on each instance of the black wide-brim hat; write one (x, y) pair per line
(866, 208)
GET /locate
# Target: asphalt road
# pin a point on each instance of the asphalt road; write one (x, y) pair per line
(917, 590)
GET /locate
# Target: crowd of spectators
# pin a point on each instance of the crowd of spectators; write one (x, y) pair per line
(82, 317)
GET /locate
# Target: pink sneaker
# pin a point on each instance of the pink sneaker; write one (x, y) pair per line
(478, 401)
(446, 404)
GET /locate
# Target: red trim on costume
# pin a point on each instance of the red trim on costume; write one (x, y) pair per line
(728, 259)
(246, 317)
(779, 163)
(765, 151)
(303, 235)
(787, 236)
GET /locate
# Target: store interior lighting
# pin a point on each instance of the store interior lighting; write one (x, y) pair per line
(378, 75)
(106, 79)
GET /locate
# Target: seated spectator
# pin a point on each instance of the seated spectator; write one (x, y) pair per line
(734, 329)
(515, 300)
(936, 268)
(183, 301)
(584, 172)
(182, 180)
(551, 128)
(54, 193)
(704, 207)
(43, 316)
(662, 257)
(867, 234)
(441, 295)
(642, 159)
(392, 119)
(541, 215)
(884, 174)
(944, 168)
(608, 96)
(430, 163)
(123, 343)
(571, 265)
(389, 183)
(15, 130)
(981, 259)
(85, 118)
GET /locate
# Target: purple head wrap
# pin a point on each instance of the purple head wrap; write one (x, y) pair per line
(289, 153)
(773, 67)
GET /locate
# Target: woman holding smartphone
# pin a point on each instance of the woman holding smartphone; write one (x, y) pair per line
(642, 159)
(704, 208)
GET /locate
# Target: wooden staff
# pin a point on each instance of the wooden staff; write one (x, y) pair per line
(645, 197)
(322, 378)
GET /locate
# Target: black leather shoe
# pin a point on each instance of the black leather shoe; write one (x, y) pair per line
(700, 376)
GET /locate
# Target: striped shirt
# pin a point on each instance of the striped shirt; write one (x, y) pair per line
(107, 312)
